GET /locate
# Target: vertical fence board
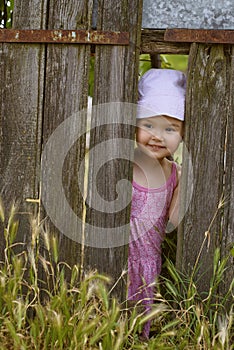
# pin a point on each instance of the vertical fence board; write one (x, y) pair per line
(207, 110)
(21, 85)
(66, 93)
(227, 234)
(116, 70)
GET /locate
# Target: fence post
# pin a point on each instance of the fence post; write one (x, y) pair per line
(41, 86)
(116, 71)
(66, 93)
(21, 91)
(227, 234)
(208, 132)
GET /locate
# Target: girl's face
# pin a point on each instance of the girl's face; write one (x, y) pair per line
(159, 136)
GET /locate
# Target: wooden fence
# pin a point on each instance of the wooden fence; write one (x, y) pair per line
(43, 85)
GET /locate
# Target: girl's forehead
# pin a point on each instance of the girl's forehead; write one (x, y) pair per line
(160, 119)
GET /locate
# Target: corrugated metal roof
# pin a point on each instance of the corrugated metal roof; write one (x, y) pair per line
(199, 14)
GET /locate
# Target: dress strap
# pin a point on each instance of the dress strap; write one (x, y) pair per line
(174, 175)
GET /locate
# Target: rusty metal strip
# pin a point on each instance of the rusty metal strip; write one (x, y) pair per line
(64, 36)
(213, 36)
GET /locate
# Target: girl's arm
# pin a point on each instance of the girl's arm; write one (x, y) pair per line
(174, 207)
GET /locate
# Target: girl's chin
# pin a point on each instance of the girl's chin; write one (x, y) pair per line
(161, 152)
(158, 154)
(155, 155)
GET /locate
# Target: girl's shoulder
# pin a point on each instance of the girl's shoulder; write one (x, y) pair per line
(174, 169)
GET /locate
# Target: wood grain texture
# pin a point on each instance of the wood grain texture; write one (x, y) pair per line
(152, 42)
(66, 93)
(21, 91)
(207, 109)
(116, 71)
(40, 87)
(227, 234)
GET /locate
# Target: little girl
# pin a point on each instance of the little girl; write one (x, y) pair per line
(160, 118)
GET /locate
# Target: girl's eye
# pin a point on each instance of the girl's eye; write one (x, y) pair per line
(148, 126)
(170, 129)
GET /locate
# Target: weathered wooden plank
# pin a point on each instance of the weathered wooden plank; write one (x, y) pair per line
(152, 41)
(66, 93)
(206, 113)
(21, 91)
(227, 234)
(116, 71)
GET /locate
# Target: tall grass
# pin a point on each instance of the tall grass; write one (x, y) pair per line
(78, 313)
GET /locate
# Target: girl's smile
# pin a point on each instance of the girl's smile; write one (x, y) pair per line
(155, 148)
(159, 136)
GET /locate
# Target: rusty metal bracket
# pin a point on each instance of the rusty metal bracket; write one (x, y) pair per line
(61, 36)
(213, 36)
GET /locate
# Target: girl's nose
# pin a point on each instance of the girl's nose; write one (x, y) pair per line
(157, 136)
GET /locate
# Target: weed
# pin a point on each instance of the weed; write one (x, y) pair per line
(40, 308)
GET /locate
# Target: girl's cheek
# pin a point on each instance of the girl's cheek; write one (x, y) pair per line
(140, 134)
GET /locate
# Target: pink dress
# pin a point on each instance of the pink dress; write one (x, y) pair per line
(149, 217)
